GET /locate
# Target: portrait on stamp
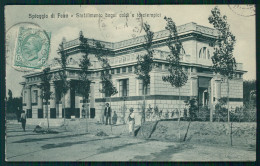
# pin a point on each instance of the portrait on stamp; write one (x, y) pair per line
(32, 48)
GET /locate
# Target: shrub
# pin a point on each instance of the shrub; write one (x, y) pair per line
(156, 111)
(193, 108)
(166, 115)
(204, 114)
(221, 113)
(149, 112)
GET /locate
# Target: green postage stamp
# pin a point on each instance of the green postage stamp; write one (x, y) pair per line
(32, 48)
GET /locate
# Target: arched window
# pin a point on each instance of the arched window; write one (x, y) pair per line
(183, 51)
(204, 53)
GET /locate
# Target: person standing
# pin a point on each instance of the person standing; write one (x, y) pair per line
(23, 120)
(107, 114)
(131, 122)
(83, 111)
(114, 118)
(18, 114)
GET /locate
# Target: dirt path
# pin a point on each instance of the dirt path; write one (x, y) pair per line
(68, 146)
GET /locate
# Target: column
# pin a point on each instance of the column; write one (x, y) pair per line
(24, 99)
(45, 110)
(61, 107)
(92, 100)
(217, 96)
(117, 87)
(67, 99)
(67, 104)
(39, 99)
(217, 89)
(40, 104)
(92, 95)
(29, 102)
(137, 87)
(194, 86)
(52, 101)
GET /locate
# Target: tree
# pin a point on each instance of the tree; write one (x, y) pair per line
(193, 110)
(9, 102)
(10, 95)
(45, 87)
(223, 61)
(221, 110)
(84, 83)
(62, 83)
(13, 103)
(106, 78)
(145, 64)
(249, 86)
(177, 78)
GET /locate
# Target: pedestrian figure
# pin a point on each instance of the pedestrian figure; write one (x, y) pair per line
(23, 120)
(114, 118)
(160, 114)
(131, 121)
(83, 111)
(107, 114)
(18, 114)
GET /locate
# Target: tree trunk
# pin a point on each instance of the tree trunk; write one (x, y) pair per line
(64, 108)
(144, 105)
(179, 119)
(144, 109)
(228, 99)
(143, 113)
(231, 133)
(47, 115)
(184, 139)
(110, 113)
(86, 115)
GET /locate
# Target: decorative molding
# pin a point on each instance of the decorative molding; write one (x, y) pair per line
(154, 97)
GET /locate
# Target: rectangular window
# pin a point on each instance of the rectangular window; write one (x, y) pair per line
(118, 70)
(159, 66)
(123, 69)
(24, 96)
(124, 87)
(130, 69)
(186, 69)
(166, 66)
(35, 96)
(142, 90)
(191, 69)
(112, 71)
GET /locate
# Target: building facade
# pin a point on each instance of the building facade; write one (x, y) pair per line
(198, 47)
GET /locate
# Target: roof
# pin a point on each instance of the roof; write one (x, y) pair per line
(182, 29)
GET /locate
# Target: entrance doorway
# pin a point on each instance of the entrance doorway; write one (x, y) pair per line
(204, 90)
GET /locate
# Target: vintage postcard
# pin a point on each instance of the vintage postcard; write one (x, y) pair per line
(130, 83)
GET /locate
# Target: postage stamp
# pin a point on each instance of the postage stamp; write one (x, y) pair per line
(32, 48)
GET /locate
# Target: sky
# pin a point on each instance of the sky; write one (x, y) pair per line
(112, 29)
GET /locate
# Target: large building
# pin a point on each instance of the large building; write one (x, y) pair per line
(202, 83)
